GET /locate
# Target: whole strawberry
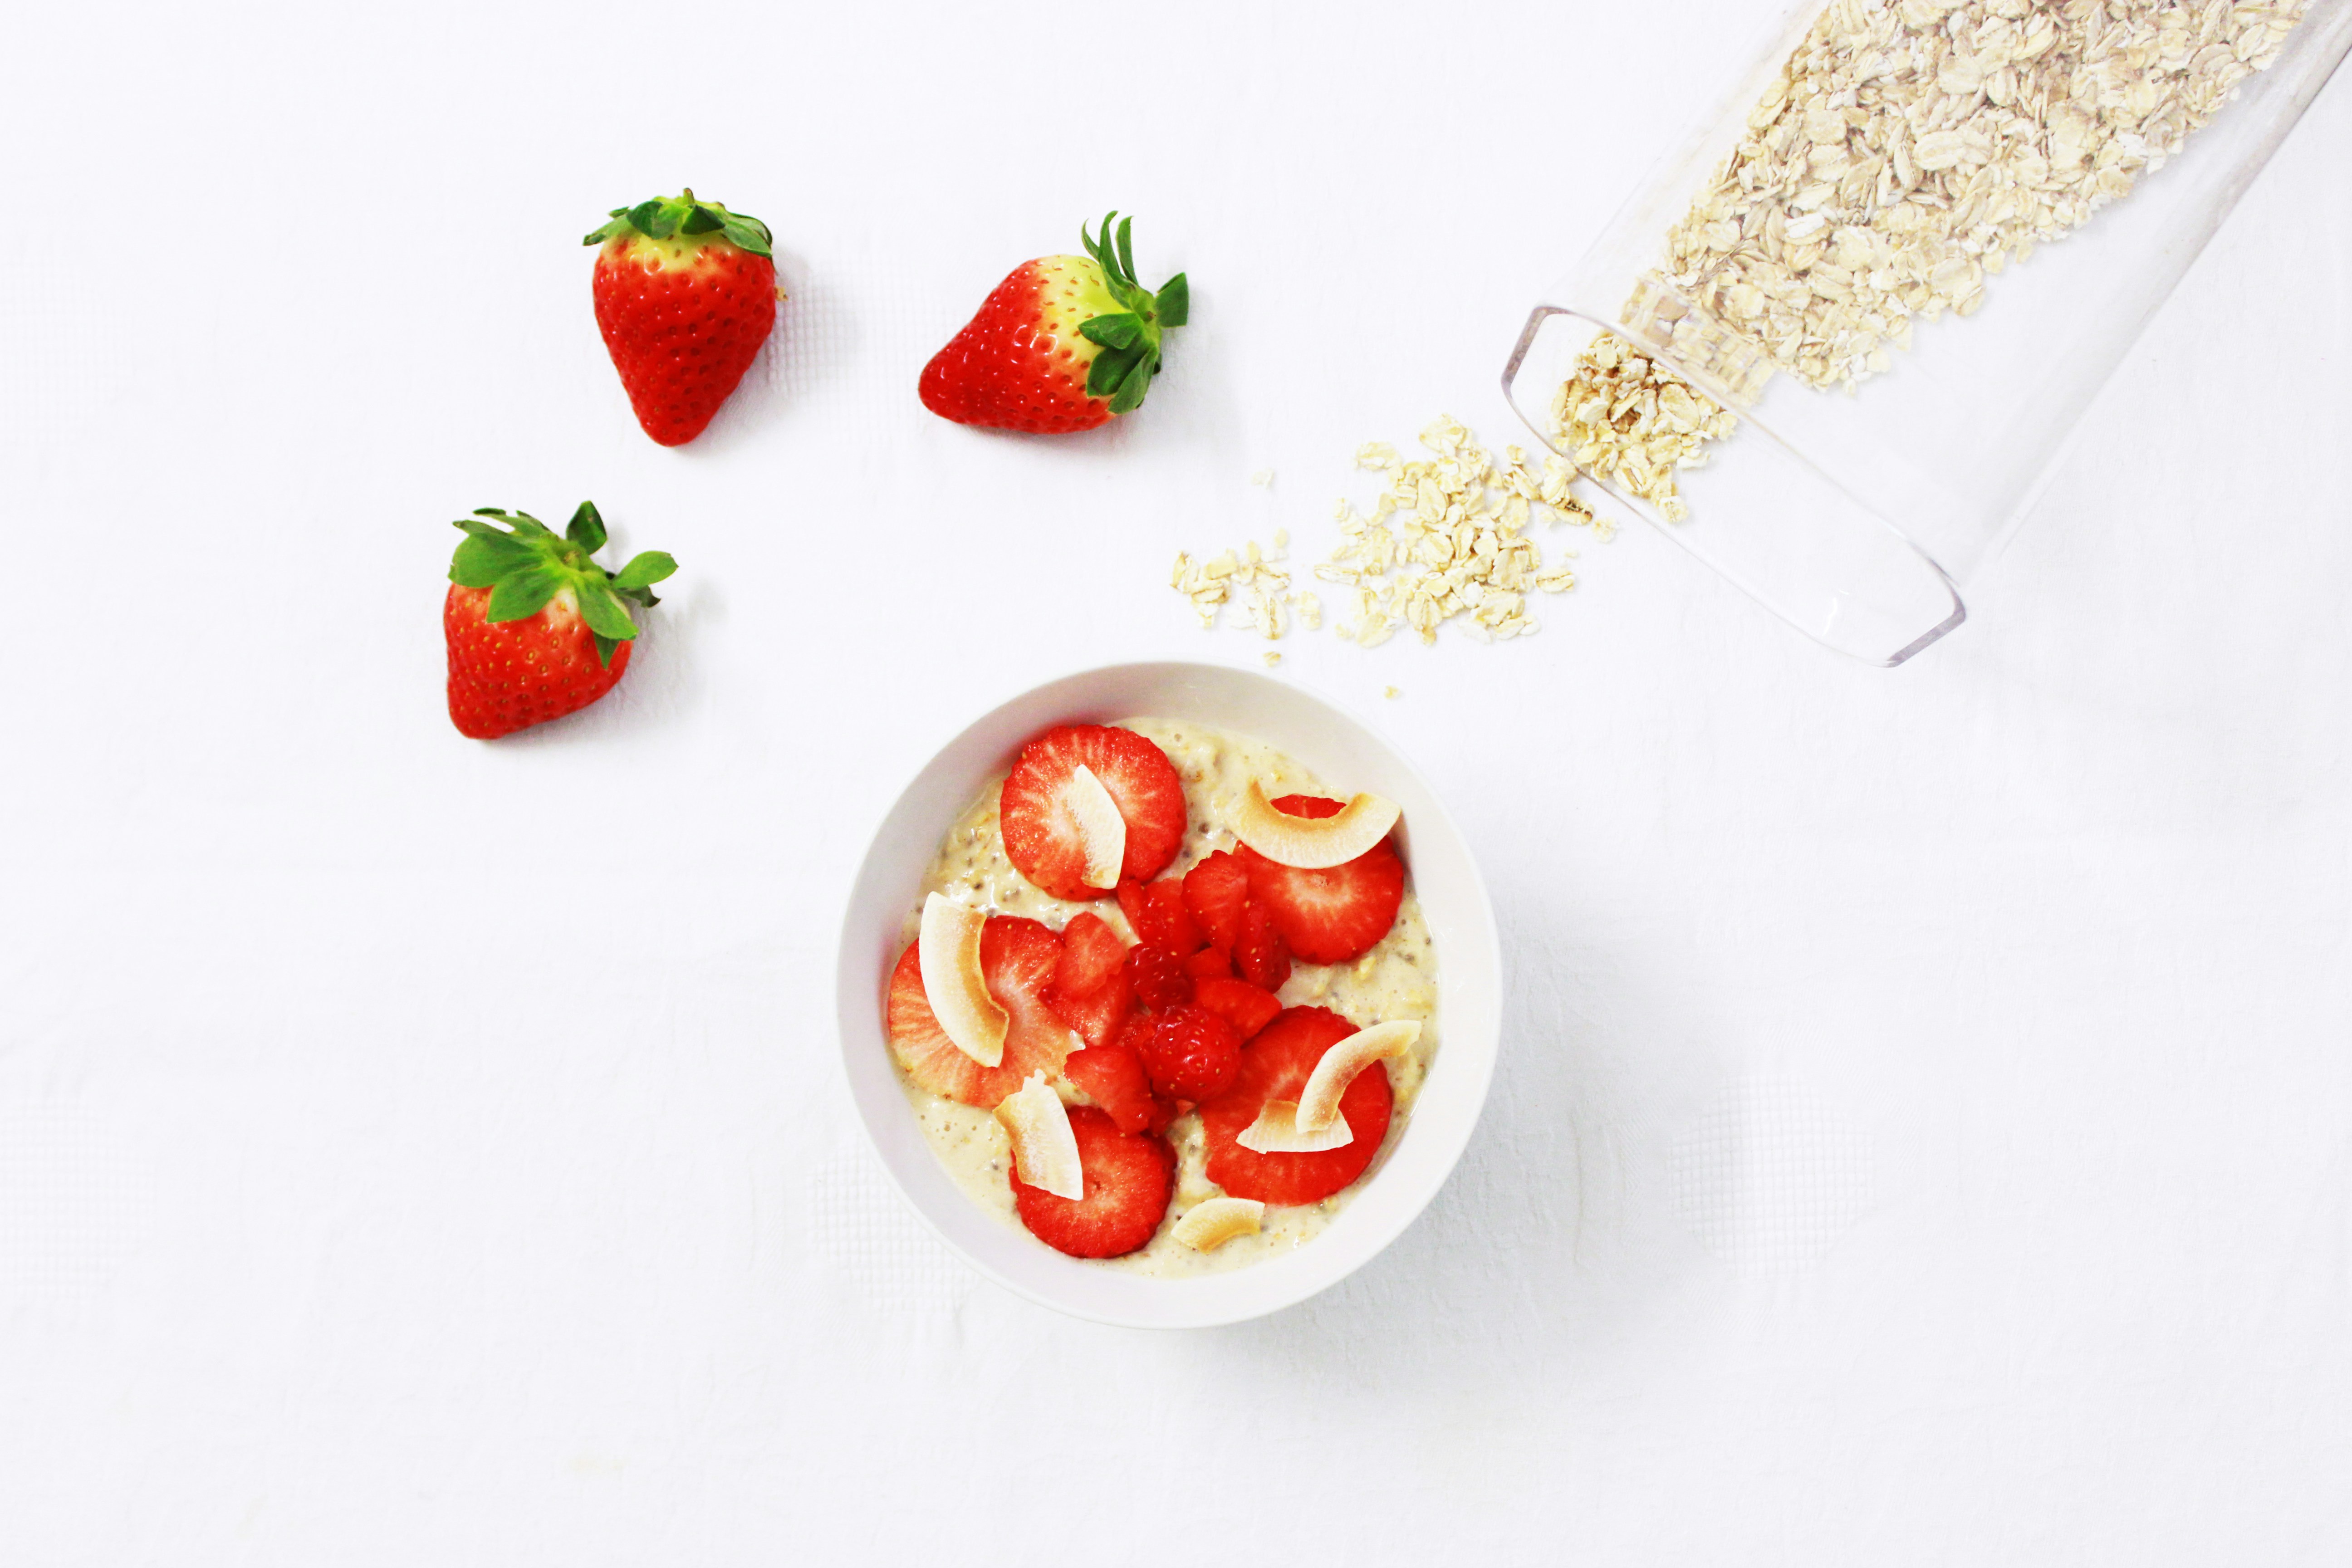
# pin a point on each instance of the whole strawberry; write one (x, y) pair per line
(1063, 344)
(685, 293)
(536, 629)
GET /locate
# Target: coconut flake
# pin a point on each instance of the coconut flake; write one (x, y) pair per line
(1045, 1150)
(954, 983)
(1102, 832)
(1308, 843)
(1212, 1222)
(1277, 1131)
(1318, 1102)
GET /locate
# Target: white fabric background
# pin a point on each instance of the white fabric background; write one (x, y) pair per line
(1923, 1133)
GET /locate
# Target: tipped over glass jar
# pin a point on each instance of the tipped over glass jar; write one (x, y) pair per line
(1836, 343)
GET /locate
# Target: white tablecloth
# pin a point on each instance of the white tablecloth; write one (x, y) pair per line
(1924, 1130)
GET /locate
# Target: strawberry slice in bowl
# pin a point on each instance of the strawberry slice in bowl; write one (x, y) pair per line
(1331, 914)
(1050, 811)
(1128, 1178)
(1274, 1068)
(1091, 991)
(1018, 958)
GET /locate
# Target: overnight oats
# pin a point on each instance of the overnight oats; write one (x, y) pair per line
(1167, 998)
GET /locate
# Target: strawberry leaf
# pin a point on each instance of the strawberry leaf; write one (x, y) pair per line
(522, 595)
(586, 529)
(750, 234)
(643, 570)
(665, 216)
(482, 558)
(605, 613)
(1123, 330)
(1175, 302)
(1137, 382)
(1111, 368)
(605, 647)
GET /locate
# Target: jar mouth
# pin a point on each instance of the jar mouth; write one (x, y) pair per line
(1788, 534)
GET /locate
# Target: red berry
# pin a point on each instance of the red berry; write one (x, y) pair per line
(1158, 977)
(682, 314)
(1214, 891)
(1261, 956)
(1096, 1017)
(563, 636)
(1276, 1066)
(1017, 957)
(1092, 954)
(1112, 1076)
(1091, 992)
(1041, 834)
(1238, 1002)
(1157, 913)
(1127, 1177)
(1209, 963)
(1191, 1053)
(1022, 362)
(1333, 915)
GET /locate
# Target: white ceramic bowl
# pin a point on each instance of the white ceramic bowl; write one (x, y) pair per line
(1350, 757)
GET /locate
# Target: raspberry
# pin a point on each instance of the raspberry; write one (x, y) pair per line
(1158, 978)
(1191, 1053)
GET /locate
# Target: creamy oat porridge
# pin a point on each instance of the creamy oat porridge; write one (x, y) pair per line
(1165, 1069)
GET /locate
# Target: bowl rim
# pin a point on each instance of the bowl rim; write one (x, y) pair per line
(1471, 967)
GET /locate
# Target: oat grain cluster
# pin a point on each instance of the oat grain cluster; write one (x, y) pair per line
(1445, 540)
(1624, 416)
(1912, 149)
(1908, 152)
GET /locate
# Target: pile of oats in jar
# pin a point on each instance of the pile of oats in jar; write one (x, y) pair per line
(1909, 151)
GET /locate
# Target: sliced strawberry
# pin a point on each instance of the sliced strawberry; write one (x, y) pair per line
(1189, 1052)
(1157, 911)
(1261, 956)
(1276, 1066)
(1096, 1017)
(1130, 904)
(1040, 834)
(1128, 1179)
(1158, 978)
(1243, 1005)
(1333, 915)
(1018, 958)
(1112, 1076)
(1091, 955)
(1214, 891)
(1091, 992)
(1210, 963)
(1131, 1037)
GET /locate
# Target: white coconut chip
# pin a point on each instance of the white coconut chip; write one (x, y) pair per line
(1102, 832)
(1277, 1131)
(1318, 1102)
(954, 983)
(1308, 843)
(1043, 1148)
(1212, 1222)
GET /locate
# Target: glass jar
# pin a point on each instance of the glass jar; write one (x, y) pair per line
(1900, 259)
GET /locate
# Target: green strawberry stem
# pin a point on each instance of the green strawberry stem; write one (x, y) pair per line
(527, 563)
(663, 217)
(1130, 338)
